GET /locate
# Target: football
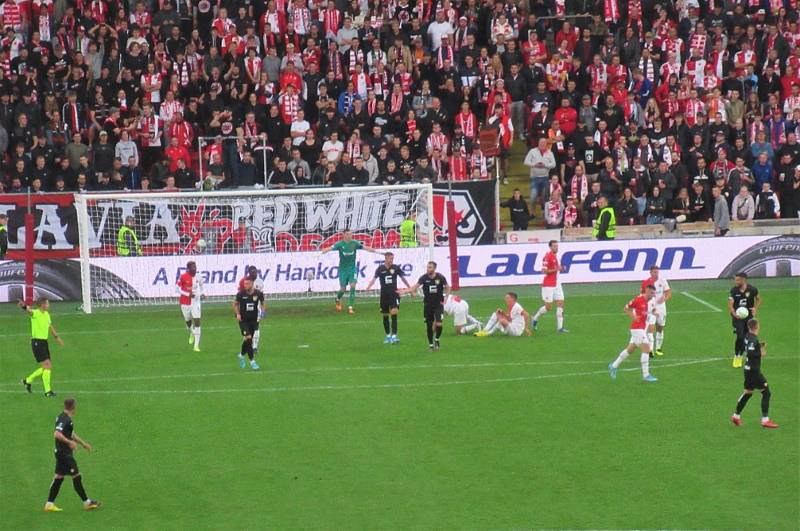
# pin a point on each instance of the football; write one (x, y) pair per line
(742, 313)
(201, 244)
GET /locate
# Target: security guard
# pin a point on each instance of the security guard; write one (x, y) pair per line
(605, 226)
(3, 236)
(127, 241)
(408, 231)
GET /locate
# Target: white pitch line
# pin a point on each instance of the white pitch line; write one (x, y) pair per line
(367, 386)
(701, 301)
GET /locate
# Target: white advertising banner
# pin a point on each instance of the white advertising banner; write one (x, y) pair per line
(533, 236)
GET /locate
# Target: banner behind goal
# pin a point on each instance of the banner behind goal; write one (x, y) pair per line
(281, 232)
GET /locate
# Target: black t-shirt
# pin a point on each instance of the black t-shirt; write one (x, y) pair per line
(433, 288)
(387, 276)
(752, 348)
(744, 299)
(248, 304)
(64, 425)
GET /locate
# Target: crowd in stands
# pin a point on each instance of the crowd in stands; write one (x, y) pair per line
(649, 104)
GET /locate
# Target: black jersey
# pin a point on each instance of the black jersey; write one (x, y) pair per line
(248, 304)
(752, 348)
(744, 299)
(433, 288)
(388, 276)
(64, 425)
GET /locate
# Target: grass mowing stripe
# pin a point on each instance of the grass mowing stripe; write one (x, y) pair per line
(701, 301)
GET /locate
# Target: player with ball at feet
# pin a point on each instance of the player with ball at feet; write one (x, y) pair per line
(743, 304)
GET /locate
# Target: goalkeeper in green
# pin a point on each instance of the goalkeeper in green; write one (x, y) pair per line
(348, 273)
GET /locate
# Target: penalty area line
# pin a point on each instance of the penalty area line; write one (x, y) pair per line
(701, 301)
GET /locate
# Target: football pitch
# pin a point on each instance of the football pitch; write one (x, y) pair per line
(339, 431)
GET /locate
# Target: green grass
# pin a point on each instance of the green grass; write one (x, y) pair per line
(348, 433)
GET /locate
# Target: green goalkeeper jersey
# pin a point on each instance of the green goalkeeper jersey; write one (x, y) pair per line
(347, 253)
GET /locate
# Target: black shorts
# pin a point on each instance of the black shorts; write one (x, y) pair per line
(66, 465)
(754, 380)
(389, 301)
(41, 350)
(248, 328)
(434, 312)
(740, 326)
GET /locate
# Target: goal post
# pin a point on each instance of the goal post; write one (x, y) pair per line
(281, 232)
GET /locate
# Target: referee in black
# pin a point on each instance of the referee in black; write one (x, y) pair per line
(387, 274)
(753, 378)
(434, 288)
(743, 295)
(66, 441)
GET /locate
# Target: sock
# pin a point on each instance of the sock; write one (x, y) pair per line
(55, 486)
(35, 374)
(438, 328)
(77, 482)
(490, 324)
(650, 338)
(196, 333)
(247, 348)
(765, 394)
(540, 312)
(351, 299)
(339, 295)
(394, 325)
(256, 337)
(659, 340)
(429, 330)
(386, 324)
(645, 358)
(469, 328)
(189, 326)
(471, 320)
(742, 402)
(622, 357)
(46, 379)
(560, 318)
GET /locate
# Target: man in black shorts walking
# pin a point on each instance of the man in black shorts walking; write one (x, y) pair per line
(753, 378)
(434, 288)
(247, 307)
(743, 295)
(66, 441)
(387, 274)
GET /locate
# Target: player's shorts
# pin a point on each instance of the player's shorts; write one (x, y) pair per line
(191, 311)
(347, 276)
(66, 465)
(41, 350)
(460, 313)
(754, 380)
(660, 318)
(553, 293)
(389, 301)
(639, 337)
(248, 328)
(433, 312)
(514, 329)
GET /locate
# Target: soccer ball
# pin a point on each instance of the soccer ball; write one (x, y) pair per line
(201, 244)
(742, 312)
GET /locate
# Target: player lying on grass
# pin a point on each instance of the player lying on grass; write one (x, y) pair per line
(463, 322)
(513, 321)
(637, 310)
(387, 274)
(41, 328)
(348, 273)
(753, 378)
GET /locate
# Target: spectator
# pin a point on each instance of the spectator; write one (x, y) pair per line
(518, 209)
(767, 204)
(655, 208)
(554, 211)
(701, 206)
(627, 210)
(743, 207)
(722, 217)
(540, 160)
(682, 206)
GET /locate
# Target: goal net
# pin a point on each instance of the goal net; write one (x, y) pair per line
(133, 247)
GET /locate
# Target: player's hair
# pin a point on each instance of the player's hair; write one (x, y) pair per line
(741, 274)
(512, 295)
(432, 263)
(3, 216)
(551, 242)
(347, 230)
(387, 254)
(69, 404)
(41, 301)
(190, 263)
(654, 267)
(650, 286)
(752, 324)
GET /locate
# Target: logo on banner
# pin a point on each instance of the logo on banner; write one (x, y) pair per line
(470, 225)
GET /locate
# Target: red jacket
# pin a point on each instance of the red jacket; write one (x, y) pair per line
(568, 119)
(176, 153)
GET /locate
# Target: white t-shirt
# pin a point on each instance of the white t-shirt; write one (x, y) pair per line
(437, 30)
(333, 150)
(517, 317)
(661, 286)
(453, 304)
(302, 127)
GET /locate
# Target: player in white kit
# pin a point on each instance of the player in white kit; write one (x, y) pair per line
(657, 309)
(463, 322)
(514, 321)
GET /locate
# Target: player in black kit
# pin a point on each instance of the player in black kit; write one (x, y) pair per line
(66, 441)
(387, 274)
(743, 295)
(434, 288)
(753, 379)
(247, 307)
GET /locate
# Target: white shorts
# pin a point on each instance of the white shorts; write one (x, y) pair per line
(460, 312)
(552, 294)
(191, 311)
(639, 337)
(514, 329)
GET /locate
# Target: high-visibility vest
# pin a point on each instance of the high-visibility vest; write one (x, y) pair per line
(122, 242)
(408, 233)
(3, 249)
(611, 232)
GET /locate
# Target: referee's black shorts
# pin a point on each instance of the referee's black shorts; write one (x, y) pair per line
(754, 380)
(433, 312)
(389, 301)
(248, 328)
(66, 465)
(41, 350)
